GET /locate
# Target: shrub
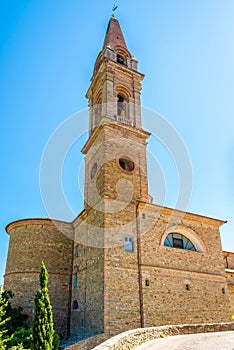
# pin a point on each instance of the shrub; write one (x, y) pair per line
(4, 337)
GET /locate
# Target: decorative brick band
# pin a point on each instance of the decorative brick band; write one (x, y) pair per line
(131, 339)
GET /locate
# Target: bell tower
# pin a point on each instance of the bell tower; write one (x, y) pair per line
(116, 149)
(116, 182)
(115, 87)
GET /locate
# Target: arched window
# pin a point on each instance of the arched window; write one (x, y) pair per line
(121, 106)
(75, 305)
(120, 59)
(176, 240)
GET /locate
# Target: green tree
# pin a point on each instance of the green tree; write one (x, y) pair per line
(18, 318)
(22, 337)
(18, 347)
(43, 329)
(4, 338)
(16, 328)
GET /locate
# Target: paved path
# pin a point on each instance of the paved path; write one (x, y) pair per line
(202, 341)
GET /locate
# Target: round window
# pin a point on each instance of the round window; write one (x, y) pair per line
(93, 171)
(126, 164)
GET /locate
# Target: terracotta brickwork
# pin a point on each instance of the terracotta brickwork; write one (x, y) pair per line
(111, 269)
(31, 242)
(229, 266)
(168, 271)
(121, 273)
(88, 319)
(113, 77)
(105, 146)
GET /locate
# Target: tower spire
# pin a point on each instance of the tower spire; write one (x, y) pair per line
(115, 88)
(114, 35)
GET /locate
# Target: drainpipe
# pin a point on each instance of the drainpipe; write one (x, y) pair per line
(139, 267)
(70, 290)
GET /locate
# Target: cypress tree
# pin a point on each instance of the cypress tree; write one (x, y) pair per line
(42, 330)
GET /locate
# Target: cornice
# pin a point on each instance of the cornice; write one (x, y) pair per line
(35, 221)
(113, 125)
(175, 213)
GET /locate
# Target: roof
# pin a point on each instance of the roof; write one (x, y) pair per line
(114, 36)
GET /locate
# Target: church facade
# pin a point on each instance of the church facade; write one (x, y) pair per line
(124, 262)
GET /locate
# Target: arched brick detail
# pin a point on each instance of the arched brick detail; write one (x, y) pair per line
(123, 91)
(189, 233)
(123, 52)
(98, 97)
(98, 61)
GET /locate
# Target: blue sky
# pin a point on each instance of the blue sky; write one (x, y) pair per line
(47, 53)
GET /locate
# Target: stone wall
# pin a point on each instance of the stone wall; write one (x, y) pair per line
(168, 301)
(106, 145)
(183, 286)
(86, 344)
(229, 268)
(31, 242)
(103, 288)
(131, 339)
(88, 320)
(156, 285)
(121, 272)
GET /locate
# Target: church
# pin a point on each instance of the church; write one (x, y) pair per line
(124, 262)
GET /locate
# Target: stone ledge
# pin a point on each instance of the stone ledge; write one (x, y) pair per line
(131, 339)
(86, 344)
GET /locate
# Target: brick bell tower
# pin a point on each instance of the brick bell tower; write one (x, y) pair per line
(115, 183)
(116, 149)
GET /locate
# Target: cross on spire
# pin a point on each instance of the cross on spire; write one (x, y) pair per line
(114, 8)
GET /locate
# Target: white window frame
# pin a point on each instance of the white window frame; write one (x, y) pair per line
(129, 245)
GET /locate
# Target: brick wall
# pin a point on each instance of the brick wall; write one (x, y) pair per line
(87, 320)
(31, 242)
(184, 286)
(131, 339)
(229, 266)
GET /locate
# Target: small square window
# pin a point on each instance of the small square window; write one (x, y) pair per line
(128, 244)
(147, 283)
(84, 251)
(187, 286)
(223, 291)
(143, 215)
